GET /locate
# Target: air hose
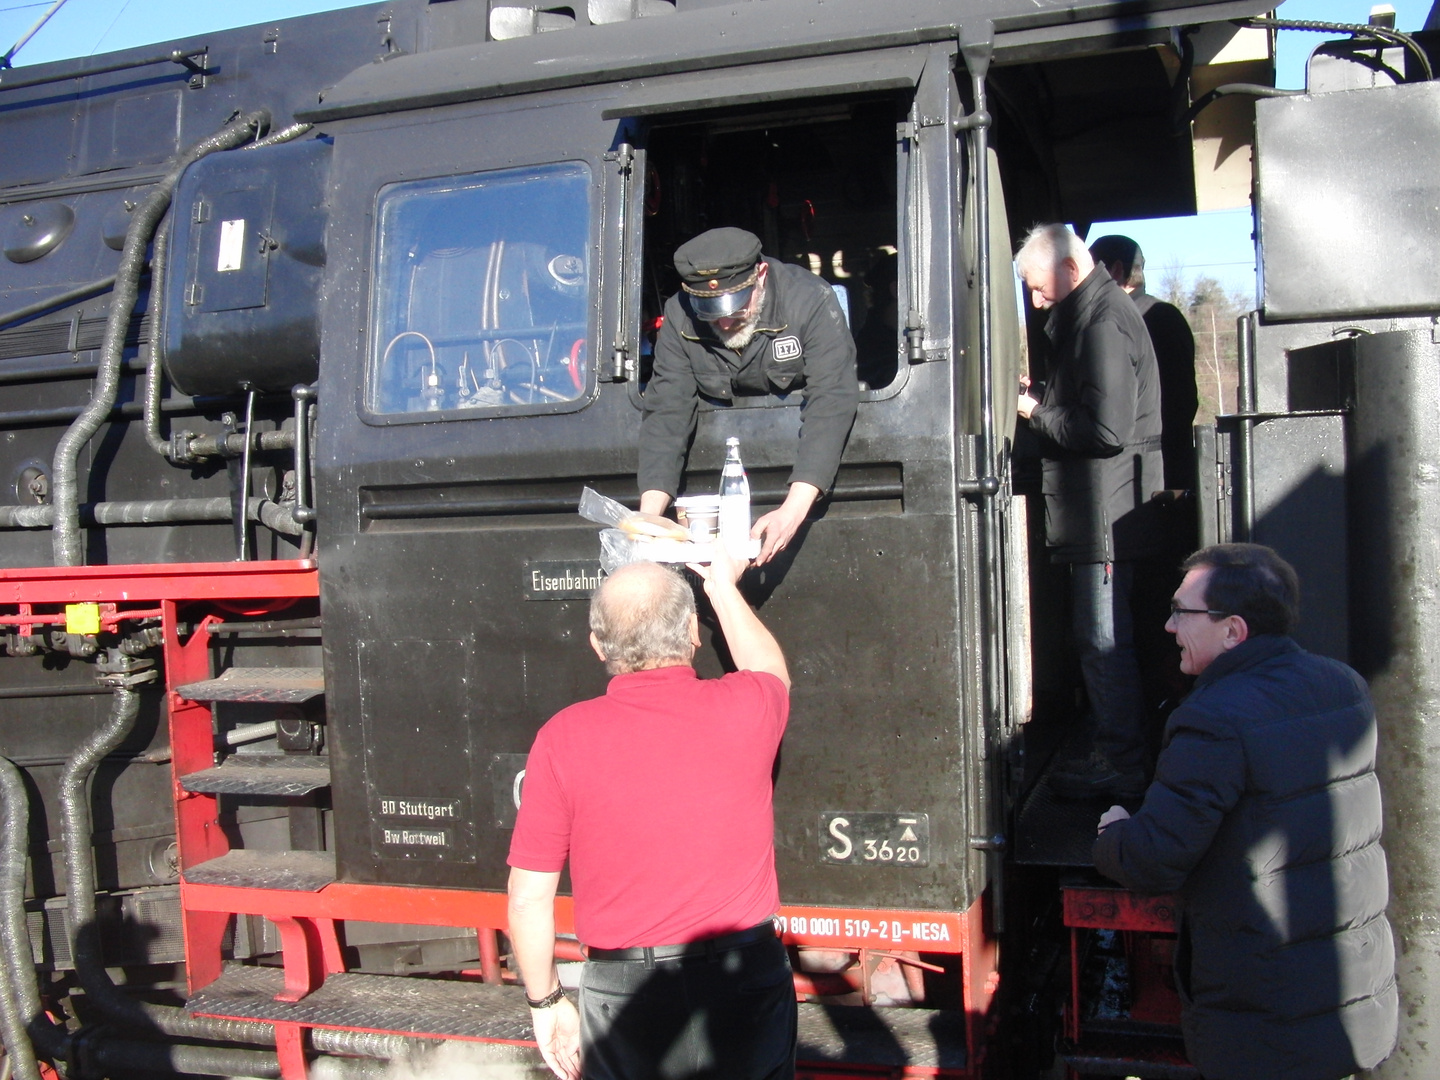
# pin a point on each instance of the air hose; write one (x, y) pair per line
(66, 544)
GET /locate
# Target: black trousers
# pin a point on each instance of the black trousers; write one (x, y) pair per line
(730, 1015)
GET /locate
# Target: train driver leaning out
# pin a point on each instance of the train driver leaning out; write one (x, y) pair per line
(743, 324)
(659, 794)
(1265, 818)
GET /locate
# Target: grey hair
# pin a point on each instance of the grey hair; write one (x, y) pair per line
(1046, 246)
(640, 616)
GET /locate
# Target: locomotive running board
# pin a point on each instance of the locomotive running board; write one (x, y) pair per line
(833, 1038)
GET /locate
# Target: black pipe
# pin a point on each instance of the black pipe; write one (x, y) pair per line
(275, 138)
(977, 62)
(130, 410)
(60, 372)
(82, 931)
(265, 627)
(50, 691)
(103, 1056)
(159, 264)
(303, 396)
(274, 516)
(176, 57)
(1244, 483)
(70, 296)
(81, 928)
(15, 957)
(1377, 33)
(1204, 101)
(66, 543)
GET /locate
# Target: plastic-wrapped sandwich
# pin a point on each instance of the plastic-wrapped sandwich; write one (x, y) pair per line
(631, 536)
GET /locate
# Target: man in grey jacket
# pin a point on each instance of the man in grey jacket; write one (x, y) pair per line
(1099, 428)
(745, 325)
(1265, 818)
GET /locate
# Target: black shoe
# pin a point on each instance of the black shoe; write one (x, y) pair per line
(1095, 777)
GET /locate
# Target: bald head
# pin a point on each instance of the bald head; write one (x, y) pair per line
(642, 617)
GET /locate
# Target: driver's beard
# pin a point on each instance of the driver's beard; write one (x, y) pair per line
(741, 337)
(738, 338)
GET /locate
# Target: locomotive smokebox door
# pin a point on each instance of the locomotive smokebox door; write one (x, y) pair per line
(247, 255)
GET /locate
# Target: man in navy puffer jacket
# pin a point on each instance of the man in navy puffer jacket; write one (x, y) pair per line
(1264, 817)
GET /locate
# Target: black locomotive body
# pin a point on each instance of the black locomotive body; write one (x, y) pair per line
(311, 336)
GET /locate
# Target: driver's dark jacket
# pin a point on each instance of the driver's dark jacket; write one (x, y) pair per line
(1265, 819)
(801, 343)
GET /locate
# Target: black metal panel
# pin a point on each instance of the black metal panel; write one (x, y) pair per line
(1300, 495)
(858, 74)
(715, 37)
(419, 761)
(1369, 165)
(243, 296)
(428, 529)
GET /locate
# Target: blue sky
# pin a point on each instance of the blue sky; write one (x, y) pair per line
(1219, 244)
(1216, 244)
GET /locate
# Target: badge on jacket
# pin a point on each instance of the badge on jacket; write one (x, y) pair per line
(786, 348)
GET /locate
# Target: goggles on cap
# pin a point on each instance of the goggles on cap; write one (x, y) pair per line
(709, 306)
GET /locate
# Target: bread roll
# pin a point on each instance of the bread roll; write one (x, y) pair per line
(652, 527)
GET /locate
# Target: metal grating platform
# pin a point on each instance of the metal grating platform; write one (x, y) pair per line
(257, 774)
(281, 686)
(293, 871)
(891, 1038)
(406, 1004)
(1051, 831)
(1131, 1054)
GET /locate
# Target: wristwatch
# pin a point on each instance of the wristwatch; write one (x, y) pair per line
(552, 998)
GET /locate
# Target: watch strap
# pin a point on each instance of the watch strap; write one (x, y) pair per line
(552, 998)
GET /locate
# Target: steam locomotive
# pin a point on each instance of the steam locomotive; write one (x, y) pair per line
(312, 333)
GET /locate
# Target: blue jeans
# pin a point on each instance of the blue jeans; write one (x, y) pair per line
(730, 1016)
(1105, 639)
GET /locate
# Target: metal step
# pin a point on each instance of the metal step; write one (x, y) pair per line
(408, 1005)
(293, 871)
(261, 774)
(277, 685)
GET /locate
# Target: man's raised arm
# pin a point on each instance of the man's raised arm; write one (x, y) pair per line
(752, 646)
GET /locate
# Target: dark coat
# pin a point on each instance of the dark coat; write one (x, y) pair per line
(1179, 399)
(802, 343)
(1099, 424)
(1265, 818)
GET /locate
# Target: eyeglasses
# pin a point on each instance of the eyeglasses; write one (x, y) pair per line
(1176, 609)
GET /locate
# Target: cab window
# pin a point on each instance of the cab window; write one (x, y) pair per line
(481, 295)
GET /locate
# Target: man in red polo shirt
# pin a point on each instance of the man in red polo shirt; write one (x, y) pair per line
(659, 793)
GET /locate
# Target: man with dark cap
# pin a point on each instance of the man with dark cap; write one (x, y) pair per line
(1174, 355)
(744, 325)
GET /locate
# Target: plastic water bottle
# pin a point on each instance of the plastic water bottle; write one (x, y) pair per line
(734, 502)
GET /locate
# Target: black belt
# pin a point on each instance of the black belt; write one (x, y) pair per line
(710, 947)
